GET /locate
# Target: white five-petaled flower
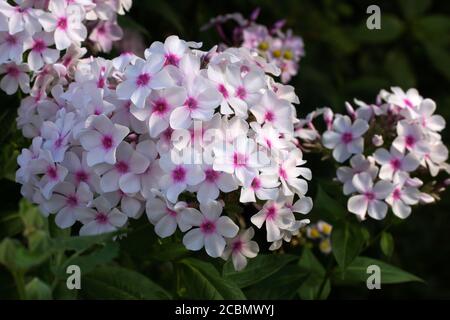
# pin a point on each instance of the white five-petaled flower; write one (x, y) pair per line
(276, 216)
(103, 219)
(410, 137)
(68, 201)
(173, 49)
(394, 162)
(141, 78)
(166, 216)
(345, 138)
(65, 20)
(240, 158)
(40, 52)
(403, 196)
(15, 76)
(370, 197)
(124, 173)
(209, 229)
(101, 139)
(274, 111)
(240, 248)
(358, 164)
(178, 175)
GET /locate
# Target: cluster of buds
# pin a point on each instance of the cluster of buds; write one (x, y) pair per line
(320, 234)
(172, 135)
(41, 39)
(281, 48)
(394, 151)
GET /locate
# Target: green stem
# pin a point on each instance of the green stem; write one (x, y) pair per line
(376, 238)
(328, 273)
(20, 284)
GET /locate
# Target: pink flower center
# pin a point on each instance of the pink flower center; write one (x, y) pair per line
(101, 82)
(269, 116)
(171, 212)
(11, 40)
(61, 23)
(239, 159)
(410, 141)
(282, 173)
(208, 227)
(396, 164)
(179, 174)
(21, 10)
(39, 45)
(101, 30)
(256, 184)
(143, 79)
(241, 93)
(72, 201)
(237, 246)
(81, 176)
(191, 103)
(397, 194)
(370, 196)
(101, 218)
(271, 213)
(13, 71)
(160, 107)
(171, 59)
(347, 137)
(211, 175)
(408, 103)
(167, 134)
(107, 142)
(122, 167)
(52, 173)
(58, 143)
(223, 90)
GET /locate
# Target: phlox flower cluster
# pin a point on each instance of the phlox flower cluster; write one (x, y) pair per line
(39, 38)
(171, 135)
(281, 48)
(390, 153)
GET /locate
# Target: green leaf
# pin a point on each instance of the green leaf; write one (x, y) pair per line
(10, 224)
(88, 262)
(432, 29)
(283, 284)
(203, 281)
(414, 9)
(109, 282)
(167, 12)
(309, 290)
(387, 244)
(81, 243)
(357, 272)
(399, 68)
(391, 29)
(315, 286)
(36, 289)
(170, 251)
(15, 257)
(347, 241)
(440, 59)
(257, 269)
(327, 206)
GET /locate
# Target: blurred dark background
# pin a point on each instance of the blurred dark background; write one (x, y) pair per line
(343, 60)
